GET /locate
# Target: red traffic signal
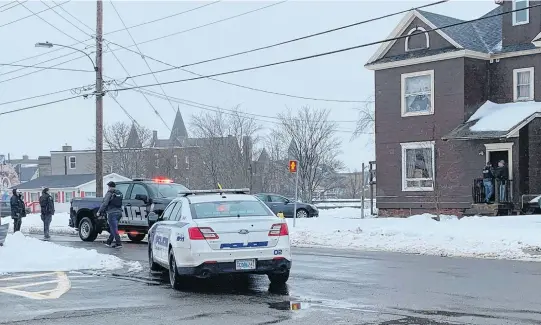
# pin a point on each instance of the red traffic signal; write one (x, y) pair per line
(293, 166)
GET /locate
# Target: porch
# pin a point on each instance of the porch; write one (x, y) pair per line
(501, 202)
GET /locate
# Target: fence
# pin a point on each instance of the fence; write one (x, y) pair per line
(501, 192)
(342, 203)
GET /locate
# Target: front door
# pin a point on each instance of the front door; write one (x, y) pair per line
(495, 156)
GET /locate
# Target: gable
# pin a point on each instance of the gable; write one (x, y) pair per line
(417, 40)
(403, 28)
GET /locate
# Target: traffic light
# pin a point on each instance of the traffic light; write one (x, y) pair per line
(293, 166)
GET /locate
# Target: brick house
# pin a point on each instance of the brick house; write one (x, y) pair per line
(448, 101)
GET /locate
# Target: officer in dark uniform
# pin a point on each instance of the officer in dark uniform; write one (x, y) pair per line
(112, 206)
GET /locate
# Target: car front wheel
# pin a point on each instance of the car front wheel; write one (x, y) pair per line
(87, 230)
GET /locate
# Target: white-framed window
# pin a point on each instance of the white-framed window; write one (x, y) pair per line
(34, 197)
(90, 194)
(523, 84)
(418, 166)
(175, 157)
(417, 93)
(157, 160)
(417, 31)
(523, 16)
(68, 196)
(72, 162)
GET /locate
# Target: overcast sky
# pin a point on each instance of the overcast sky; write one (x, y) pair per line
(341, 76)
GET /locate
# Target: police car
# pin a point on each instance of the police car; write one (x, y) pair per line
(211, 232)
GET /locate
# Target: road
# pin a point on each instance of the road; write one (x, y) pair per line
(333, 286)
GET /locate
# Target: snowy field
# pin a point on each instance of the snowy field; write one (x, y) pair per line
(27, 254)
(484, 237)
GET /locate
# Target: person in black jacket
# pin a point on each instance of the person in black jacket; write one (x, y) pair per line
(112, 205)
(46, 203)
(502, 176)
(488, 181)
(18, 210)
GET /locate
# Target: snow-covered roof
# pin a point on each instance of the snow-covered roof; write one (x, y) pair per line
(493, 120)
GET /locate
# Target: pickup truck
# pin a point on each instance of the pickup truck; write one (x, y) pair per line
(142, 198)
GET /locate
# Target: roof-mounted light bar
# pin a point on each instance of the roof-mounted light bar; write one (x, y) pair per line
(216, 191)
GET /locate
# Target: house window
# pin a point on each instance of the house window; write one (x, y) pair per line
(157, 160)
(418, 93)
(68, 196)
(419, 42)
(523, 16)
(90, 194)
(523, 84)
(73, 162)
(418, 166)
(176, 161)
(34, 197)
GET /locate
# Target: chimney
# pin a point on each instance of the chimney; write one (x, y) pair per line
(66, 148)
(25, 157)
(154, 137)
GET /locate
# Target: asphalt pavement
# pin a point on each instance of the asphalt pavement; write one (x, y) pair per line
(331, 286)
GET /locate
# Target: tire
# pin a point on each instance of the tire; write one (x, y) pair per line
(152, 265)
(174, 278)
(302, 213)
(87, 230)
(136, 238)
(278, 278)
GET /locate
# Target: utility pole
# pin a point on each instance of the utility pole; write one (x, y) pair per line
(99, 99)
(362, 192)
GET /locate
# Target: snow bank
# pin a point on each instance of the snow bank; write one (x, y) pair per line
(488, 237)
(502, 117)
(26, 254)
(32, 224)
(345, 213)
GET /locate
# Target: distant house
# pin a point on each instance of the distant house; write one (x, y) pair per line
(450, 100)
(65, 187)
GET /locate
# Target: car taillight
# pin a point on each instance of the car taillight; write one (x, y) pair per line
(200, 233)
(279, 229)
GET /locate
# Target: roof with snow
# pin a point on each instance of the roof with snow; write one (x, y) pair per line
(57, 181)
(493, 120)
(482, 36)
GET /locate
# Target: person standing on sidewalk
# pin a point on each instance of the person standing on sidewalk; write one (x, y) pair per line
(112, 206)
(17, 210)
(46, 203)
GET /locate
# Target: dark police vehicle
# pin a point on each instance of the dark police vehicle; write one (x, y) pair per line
(142, 197)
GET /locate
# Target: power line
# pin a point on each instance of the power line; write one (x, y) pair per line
(324, 53)
(72, 16)
(65, 19)
(138, 49)
(32, 15)
(141, 24)
(15, 4)
(7, 4)
(44, 68)
(48, 23)
(306, 37)
(40, 105)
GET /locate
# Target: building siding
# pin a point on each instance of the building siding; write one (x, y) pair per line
(520, 34)
(501, 77)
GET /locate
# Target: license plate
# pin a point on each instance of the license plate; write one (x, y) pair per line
(245, 264)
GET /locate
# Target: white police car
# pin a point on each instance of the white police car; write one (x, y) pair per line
(205, 233)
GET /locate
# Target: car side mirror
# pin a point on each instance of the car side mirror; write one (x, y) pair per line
(287, 201)
(141, 197)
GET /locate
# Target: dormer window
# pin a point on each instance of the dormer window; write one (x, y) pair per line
(523, 84)
(521, 17)
(416, 40)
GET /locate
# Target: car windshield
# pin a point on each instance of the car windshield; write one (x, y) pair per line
(167, 190)
(227, 209)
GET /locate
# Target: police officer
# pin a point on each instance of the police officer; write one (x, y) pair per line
(112, 205)
(18, 211)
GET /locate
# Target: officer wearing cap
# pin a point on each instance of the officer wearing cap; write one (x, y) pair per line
(112, 206)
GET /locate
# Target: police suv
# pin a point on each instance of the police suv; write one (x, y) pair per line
(211, 232)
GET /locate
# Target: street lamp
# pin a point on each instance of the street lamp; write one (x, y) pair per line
(49, 45)
(99, 103)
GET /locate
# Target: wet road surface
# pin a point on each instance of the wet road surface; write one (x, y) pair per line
(338, 286)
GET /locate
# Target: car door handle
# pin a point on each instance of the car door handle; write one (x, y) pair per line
(128, 205)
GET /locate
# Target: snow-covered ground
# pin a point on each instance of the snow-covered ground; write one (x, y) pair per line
(32, 224)
(488, 237)
(26, 254)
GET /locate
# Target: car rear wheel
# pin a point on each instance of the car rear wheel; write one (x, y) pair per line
(174, 277)
(301, 213)
(136, 237)
(278, 278)
(152, 265)
(87, 230)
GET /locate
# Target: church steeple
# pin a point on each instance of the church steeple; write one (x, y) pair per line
(133, 138)
(179, 129)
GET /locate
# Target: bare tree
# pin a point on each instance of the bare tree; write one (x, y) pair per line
(366, 118)
(353, 184)
(127, 159)
(313, 143)
(226, 141)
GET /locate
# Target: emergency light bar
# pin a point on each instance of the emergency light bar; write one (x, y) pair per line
(216, 191)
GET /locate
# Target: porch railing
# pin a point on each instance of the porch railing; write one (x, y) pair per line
(502, 192)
